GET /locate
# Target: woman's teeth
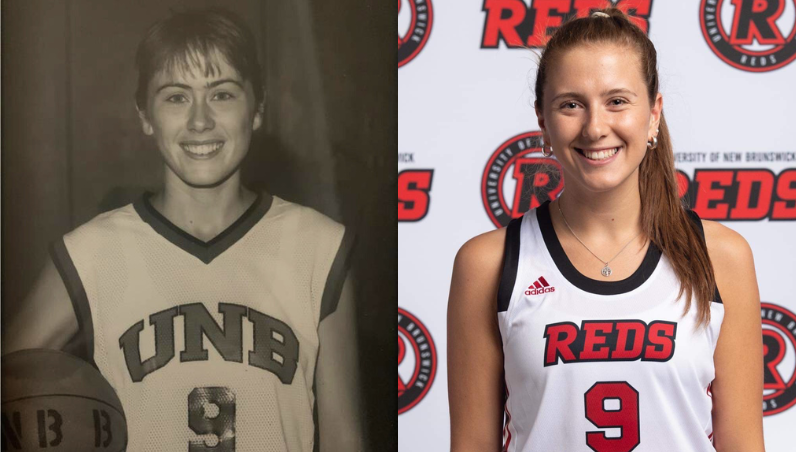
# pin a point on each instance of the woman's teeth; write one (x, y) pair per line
(202, 149)
(600, 155)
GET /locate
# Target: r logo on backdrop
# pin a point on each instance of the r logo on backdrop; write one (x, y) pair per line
(518, 178)
(417, 361)
(415, 18)
(779, 358)
(750, 35)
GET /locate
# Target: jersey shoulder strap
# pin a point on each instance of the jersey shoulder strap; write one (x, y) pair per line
(695, 218)
(88, 238)
(511, 258)
(330, 242)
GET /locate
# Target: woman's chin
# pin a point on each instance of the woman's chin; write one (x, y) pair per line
(604, 184)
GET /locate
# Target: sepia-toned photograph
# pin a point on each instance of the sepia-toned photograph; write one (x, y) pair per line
(597, 217)
(199, 242)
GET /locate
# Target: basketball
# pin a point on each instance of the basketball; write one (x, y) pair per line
(53, 400)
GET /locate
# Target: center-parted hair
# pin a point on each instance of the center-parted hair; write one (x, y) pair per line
(191, 39)
(663, 217)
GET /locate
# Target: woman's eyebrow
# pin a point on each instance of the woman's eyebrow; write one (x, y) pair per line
(215, 83)
(567, 94)
(212, 84)
(614, 91)
(172, 85)
(610, 92)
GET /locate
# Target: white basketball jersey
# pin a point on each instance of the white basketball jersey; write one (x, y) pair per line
(600, 366)
(210, 346)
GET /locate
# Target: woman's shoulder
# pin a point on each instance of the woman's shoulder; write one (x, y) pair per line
(477, 270)
(107, 222)
(733, 263)
(305, 216)
(482, 252)
(725, 244)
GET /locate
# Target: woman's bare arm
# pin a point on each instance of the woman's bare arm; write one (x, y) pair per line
(475, 353)
(337, 382)
(46, 318)
(738, 359)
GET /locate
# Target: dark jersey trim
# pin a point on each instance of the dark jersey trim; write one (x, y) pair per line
(511, 259)
(695, 218)
(77, 294)
(337, 274)
(583, 282)
(316, 447)
(204, 251)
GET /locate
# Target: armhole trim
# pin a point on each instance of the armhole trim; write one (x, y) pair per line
(337, 275)
(511, 259)
(77, 294)
(316, 446)
(695, 218)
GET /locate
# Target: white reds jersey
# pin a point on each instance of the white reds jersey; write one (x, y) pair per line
(210, 346)
(595, 365)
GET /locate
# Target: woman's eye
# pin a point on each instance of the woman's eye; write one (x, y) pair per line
(569, 105)
(617, 102)
(177, 99)
(223, 96)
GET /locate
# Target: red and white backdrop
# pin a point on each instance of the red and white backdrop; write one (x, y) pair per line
(466, 128)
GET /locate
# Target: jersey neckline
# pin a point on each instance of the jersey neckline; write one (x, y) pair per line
(204, 251)
(583, 282)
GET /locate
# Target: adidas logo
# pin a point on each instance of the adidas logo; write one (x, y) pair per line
(539, 287)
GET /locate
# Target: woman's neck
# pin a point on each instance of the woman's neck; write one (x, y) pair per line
(202, 212)
(601, 217)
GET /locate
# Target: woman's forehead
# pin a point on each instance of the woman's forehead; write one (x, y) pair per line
(195, 65)
(596, 65)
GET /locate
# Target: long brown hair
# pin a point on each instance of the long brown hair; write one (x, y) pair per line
(663, 217)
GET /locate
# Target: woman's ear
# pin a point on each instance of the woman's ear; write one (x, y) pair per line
(145, 124)
(655, 116)
(540, 121)
(258, 115)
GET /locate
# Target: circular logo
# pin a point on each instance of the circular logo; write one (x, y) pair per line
(779, 358)
(751, 35)
(518, 178)
(417, 361)
(414, 27)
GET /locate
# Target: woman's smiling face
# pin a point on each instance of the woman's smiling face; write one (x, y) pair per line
(597, 115)
(201, 119)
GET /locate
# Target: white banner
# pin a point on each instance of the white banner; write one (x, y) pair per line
(466, 121)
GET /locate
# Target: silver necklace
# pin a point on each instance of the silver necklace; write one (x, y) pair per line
(606, 271)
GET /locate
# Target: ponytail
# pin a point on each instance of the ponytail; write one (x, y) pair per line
(663, 216)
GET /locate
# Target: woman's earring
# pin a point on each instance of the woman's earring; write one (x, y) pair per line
(652, 143)
(544, 149)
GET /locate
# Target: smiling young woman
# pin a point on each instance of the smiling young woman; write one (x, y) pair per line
(249, 341)
(611, 319)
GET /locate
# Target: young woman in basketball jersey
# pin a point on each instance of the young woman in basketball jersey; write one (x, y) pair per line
(620, 324)
(219, 315)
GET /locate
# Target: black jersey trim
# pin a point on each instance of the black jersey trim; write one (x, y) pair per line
(578, 279)
(337, 275)
(695, 218)
(204, 251)
(83, 342)
(511, 259)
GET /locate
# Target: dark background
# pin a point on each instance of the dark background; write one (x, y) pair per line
(72, 145)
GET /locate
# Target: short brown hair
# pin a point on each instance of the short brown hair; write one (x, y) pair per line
(184, 38)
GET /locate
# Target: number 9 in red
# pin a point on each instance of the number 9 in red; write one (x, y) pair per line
(623, 415)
